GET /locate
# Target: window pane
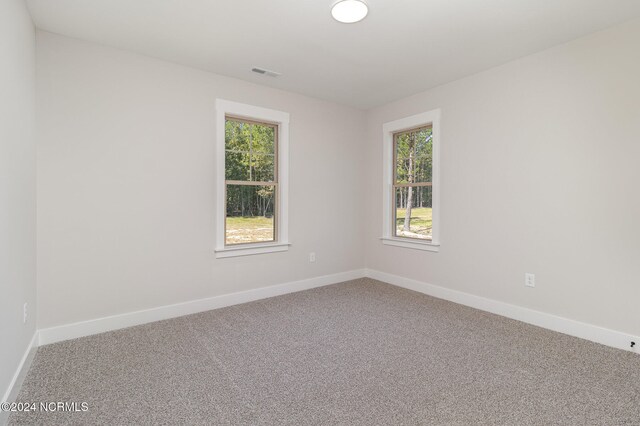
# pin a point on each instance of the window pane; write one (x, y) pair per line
(236, 165)
(237, 135)
(263, 168)
(250, 214)
(249, 151)
(263, 139)
(414, 156)
(413, 212)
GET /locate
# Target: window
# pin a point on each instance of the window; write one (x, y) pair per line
(251, 181)
(411, 182)
(252, 149)
(412, 186)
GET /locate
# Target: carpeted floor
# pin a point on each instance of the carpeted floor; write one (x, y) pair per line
(357, 353)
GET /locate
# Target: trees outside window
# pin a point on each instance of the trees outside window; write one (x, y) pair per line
(251, 183)
(412, 183)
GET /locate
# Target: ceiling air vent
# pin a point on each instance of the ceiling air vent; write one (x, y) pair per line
(265, 72)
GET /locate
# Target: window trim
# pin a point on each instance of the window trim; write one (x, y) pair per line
(238, 110)
(389, 129)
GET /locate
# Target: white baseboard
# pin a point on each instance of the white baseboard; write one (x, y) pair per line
(574, 328)
(101, 325)
(18, 377)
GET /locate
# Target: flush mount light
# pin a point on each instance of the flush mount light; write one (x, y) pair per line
(349, 11)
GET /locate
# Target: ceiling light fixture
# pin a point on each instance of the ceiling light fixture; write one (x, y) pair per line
(349, 11)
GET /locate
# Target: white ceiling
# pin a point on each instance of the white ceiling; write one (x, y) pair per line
(401, 48)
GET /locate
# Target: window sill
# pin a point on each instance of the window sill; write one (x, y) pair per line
(406, 243)
(251, 249)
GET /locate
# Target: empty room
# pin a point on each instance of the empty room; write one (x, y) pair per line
(327, 212)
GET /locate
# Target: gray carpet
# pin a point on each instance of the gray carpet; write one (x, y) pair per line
(357, 353)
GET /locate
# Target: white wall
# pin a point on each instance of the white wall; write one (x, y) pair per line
(540, 173)
(17, 186)
(126, 184)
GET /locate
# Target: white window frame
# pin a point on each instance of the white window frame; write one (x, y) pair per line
(226, 108)
(431, 118)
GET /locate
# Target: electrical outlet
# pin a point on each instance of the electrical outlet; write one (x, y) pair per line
(312, 257)
(529, 279)
(24, 313)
